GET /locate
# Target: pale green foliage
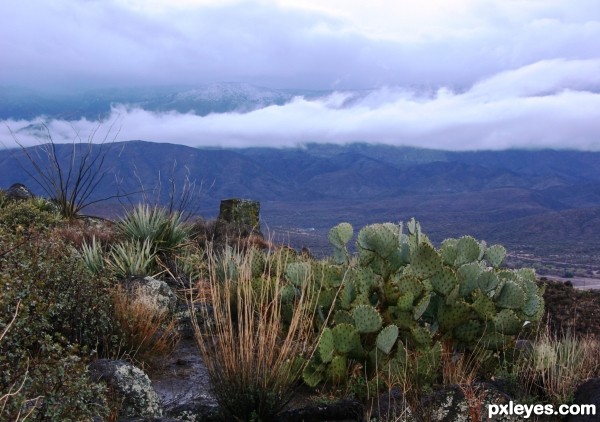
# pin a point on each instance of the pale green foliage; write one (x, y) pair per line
(131, 258)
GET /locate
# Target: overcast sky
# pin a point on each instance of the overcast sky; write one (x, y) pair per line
(498, 73)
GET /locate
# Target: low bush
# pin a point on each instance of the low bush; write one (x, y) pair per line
(64, 315)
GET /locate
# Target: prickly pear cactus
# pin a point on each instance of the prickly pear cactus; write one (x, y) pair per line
(399, 299)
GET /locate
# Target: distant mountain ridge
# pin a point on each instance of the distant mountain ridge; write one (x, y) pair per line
(20, 103)
(538, 201)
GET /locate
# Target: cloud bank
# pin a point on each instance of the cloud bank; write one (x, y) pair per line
(547, 104)
(338, 44)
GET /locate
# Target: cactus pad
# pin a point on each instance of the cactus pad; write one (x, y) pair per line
(512, 296)
(534, 307)
(312, 374)
(386, 339)
(487, 281)
(421, 306)
(425, 261)
(469, 332)
(288, 293)
(444, 281)
(342, 317)
(341, 234)
(326, 346)
(298, 273)
(468, 275)
(421, 336)
(405, 301)
(337, 370)
(507, 322)
(450, 316)
(468, 250)
(495, 255)
(345, 338)
(484, 306)
(366, 319)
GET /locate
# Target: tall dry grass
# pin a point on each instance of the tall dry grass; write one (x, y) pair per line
(555, 366)
(147, 331)
(253, 358)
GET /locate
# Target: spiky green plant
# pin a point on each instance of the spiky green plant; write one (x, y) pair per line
(131, 258)
(164, 231)
(92, 256)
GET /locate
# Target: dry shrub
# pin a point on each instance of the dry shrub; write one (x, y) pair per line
(146, 330)
(253, 358)
(83, 230)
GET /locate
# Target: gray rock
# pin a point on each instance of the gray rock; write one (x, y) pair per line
(450, 404)
(155, 291)
(18, 192)
(587, 393)
(132, 384)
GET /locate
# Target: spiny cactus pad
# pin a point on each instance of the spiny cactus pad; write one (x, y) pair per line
(337, 370)
(341, 234)
(444, 281)
(507, 322)
(342, 317)
(386, 339)
(405, 301)
(312, 374)
(298, 273)
(484, 306)
(425, 261)
(366, 319)
(533, 306)
(450, 316)
(345, 338)
(487, 281)
(421, 306)
(326, 346)
(511, 296)
(469, 332)
(495, 255)
(468, 275)
(468, 250)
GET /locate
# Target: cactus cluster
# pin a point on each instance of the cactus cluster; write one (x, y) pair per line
(399, 301)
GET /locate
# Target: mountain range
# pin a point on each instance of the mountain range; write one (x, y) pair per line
(539, 203)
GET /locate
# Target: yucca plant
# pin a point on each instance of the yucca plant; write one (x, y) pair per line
(164, 231)
(92, 256)
(131, 258)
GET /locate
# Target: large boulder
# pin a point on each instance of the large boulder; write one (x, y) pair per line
(154, 292)
(587, 393)
(131, 384)
(18, 192)
(455, 404)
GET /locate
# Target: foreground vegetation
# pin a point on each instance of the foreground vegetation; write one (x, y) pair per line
(398, 314)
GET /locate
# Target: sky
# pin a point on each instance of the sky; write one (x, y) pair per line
(452, 74)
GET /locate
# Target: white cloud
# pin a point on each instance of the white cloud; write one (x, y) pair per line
(550, 104)
(338, 44)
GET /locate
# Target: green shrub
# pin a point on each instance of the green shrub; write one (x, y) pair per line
(26, 215)
(64, 314)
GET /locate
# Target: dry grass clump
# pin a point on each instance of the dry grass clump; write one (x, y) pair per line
(555, 366)
(146, 330)
(254, 359)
